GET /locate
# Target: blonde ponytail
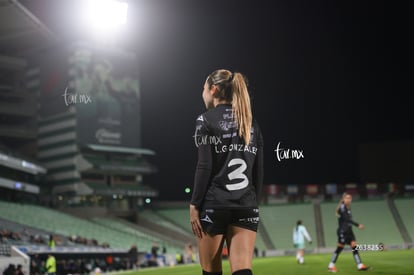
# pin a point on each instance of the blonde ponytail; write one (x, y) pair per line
(233, 88)
(340, 203)
(241, 107)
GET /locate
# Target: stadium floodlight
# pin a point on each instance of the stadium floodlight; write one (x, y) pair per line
(105, 16)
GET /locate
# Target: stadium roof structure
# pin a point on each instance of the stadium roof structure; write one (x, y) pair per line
(21, 32)
(133, 166)
(123, 189)
(19, 185)
(78, 188)
(119, 149)
(21, 164)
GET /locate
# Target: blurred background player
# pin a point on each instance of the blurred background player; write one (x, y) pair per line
(189, 255)
(299, 235)
(133, 256)
(345, 233)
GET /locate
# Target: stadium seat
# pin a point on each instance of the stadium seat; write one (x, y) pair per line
(405, 208)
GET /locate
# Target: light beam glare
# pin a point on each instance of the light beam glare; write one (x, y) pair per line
(105, 16)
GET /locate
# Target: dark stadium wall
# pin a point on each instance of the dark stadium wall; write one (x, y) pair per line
(387, 161)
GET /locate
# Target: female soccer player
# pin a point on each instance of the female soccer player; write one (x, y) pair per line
(299, 235)
(345, 233)
(228, 177)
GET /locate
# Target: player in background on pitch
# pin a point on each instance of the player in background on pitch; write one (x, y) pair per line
(299, 235)
(345, 233)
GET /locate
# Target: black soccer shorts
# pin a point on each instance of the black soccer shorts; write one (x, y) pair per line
(345, 237)
(216, 221)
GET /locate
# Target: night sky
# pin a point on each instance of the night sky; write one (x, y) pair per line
(324, 76)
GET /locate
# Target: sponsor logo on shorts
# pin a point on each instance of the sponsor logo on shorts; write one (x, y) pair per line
(207, 219)
(250, 220)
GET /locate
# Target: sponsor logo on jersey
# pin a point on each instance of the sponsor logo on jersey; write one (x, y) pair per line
(227, 125)
(230, 135)
(228, 116)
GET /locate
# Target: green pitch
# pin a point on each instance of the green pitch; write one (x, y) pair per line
(385, 262)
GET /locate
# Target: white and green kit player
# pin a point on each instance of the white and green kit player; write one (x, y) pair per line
(299, 235)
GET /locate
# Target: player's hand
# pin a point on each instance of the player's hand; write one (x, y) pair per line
(195, 221)
(360, 226)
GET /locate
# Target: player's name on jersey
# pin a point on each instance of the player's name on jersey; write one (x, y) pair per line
(235, 147)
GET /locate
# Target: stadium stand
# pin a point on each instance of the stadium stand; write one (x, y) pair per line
(154, 217)
(67, 225)
(277, 220)
(398, 220)
(13, 233)
(5, 250)
(261, 245)
(405, 208)
(376, 217)
(177, 216)
(330, 223)
(158, 226)
(320, 234)
(147, 239)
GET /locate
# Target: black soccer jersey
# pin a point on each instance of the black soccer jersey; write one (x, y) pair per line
(345, 221)
(229, 173)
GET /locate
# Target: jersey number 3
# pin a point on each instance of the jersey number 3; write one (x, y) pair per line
(237, 174)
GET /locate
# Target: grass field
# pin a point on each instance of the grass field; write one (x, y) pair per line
(385, 262)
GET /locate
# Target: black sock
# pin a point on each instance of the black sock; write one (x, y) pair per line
(212, 273)
(336, 254)
(356, 255)
(243, 272)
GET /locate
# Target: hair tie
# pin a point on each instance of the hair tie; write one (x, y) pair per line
(231, 77)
